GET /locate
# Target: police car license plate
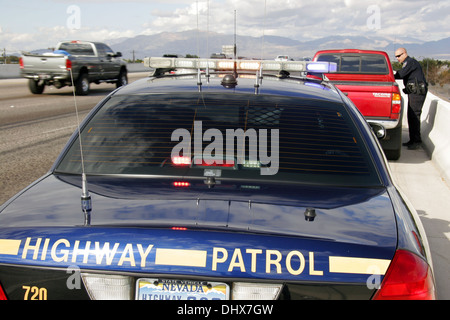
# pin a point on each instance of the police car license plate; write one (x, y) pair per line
(159, 289)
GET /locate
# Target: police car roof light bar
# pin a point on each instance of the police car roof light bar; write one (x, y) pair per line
(240, 65)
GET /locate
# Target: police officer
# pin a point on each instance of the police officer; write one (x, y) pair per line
(416, 87)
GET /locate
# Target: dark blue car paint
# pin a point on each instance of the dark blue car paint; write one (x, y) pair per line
(137, 213)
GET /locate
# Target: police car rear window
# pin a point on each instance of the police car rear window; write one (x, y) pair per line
(240, 136)
(357, 63)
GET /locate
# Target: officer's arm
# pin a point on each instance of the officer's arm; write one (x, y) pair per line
(406, 70)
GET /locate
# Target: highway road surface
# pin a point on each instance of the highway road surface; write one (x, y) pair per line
(35, 128)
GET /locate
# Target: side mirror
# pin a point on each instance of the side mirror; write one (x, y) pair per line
(379, 130)
(118, 54)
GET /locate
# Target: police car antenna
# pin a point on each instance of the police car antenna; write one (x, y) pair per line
(235, 47)
(86, 201)
(199, 75)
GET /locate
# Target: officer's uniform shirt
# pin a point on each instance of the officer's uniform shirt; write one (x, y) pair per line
(410, 71)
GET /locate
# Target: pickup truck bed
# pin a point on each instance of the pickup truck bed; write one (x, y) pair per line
(367, 78)
(89, 62)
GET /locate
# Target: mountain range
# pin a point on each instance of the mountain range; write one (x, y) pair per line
(204, 43)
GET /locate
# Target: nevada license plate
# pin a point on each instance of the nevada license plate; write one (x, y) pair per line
(158, 289)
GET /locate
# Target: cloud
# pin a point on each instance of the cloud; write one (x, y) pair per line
(300, 20)
(48, 37)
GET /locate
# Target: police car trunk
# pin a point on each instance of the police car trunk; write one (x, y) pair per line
(316, 223)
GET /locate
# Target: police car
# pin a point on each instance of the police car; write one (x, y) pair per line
(234, 185)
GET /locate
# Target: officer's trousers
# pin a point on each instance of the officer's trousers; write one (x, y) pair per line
(415, 104)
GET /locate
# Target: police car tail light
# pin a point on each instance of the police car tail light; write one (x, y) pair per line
(108, 287)
(396, 105)
(255, 291)
(2, 293)
(409, 277)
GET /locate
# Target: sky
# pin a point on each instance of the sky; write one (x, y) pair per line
(35, 24)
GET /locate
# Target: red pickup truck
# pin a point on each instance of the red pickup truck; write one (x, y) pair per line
(367, 78)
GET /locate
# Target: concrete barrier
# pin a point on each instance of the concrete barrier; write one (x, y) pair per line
(436, 133)
(9, 71)
(12, 71)
(435, 130)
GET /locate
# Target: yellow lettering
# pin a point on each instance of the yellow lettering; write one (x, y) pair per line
(36, 293)
(311, 266)
(105, 251)
(35, 248)
(253, 253)
(86, 251)
(65, 253)
(289, 265)
(127, 251)
(44, 249)
(275, 262)
(75, 250)
(144, 254)
(216, 259)
(236, 261)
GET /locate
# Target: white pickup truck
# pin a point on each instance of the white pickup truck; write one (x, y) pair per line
(90, 62)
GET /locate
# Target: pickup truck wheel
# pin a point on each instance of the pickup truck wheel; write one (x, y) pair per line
(82, 85)
(35, 87)
(393, 149)
(123, 79)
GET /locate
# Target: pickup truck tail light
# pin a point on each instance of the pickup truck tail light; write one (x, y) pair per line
(21, 63)
(396, 105)
(409, 277)
(68, 64)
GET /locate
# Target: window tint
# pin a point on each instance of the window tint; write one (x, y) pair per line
(373, 63)
(356, 63)
(104, 50)
(138, 135)
(350, 64)
(81, 49)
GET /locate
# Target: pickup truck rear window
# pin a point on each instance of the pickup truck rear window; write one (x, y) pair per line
(313, 142)
(357, 63)
(77, 49)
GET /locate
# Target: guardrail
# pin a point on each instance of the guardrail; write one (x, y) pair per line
(435, 130)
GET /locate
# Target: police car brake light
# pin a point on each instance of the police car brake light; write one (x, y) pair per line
(181, 161)
(409, 277)
(108, 287)
(179, 228)
(181, 184)
(255, 291)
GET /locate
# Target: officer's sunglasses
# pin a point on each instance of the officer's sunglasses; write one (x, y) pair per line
(399, 55)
